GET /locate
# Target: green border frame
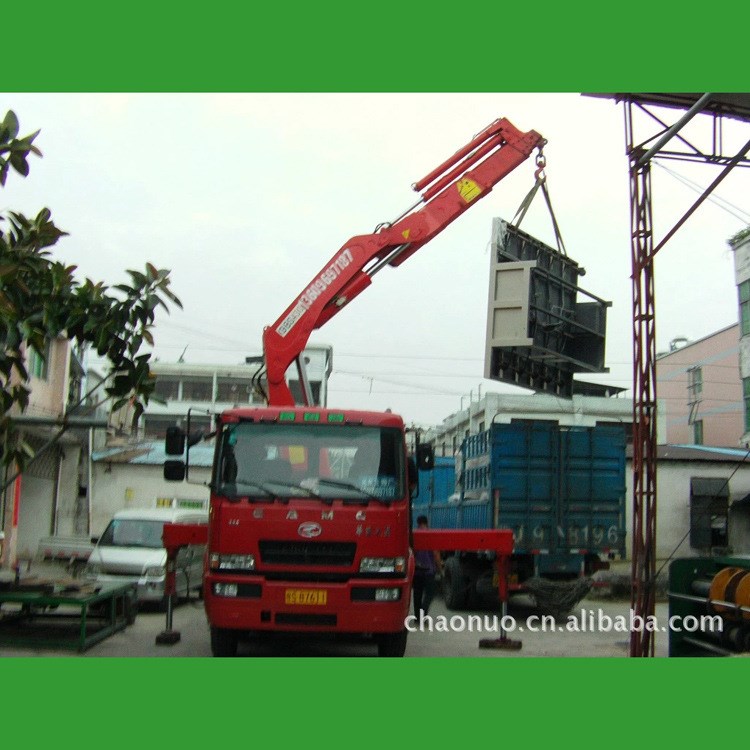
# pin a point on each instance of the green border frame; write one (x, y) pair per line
(226, 46)
(390, 46)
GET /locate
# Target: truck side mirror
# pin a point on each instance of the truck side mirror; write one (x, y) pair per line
(174, 445)
(425, 456)
(174, 471)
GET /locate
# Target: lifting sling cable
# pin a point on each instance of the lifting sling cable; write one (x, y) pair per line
(540, 182)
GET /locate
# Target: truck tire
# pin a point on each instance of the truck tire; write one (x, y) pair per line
(392, 644)
(223, 642)
(454, 585)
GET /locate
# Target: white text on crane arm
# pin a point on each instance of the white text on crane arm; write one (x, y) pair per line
(308, 297)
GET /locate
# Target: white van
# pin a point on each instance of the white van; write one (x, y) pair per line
(131, 550)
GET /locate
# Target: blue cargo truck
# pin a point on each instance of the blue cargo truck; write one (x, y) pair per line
(561, 490)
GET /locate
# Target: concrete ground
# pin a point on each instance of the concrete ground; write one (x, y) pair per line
(595, 627)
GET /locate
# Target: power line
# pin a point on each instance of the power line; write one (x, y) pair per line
(718, 200)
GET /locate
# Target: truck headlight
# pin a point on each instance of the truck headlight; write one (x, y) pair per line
(155, 571)
(382, 565)
(231, 562)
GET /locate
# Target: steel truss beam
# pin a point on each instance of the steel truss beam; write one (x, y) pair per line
(643, 250)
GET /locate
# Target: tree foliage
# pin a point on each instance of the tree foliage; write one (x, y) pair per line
(41, 299)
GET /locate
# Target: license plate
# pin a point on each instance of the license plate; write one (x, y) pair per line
(313, 597)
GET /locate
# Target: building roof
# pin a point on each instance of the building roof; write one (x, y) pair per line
(600, 390)
(688, 343)
(151, 453)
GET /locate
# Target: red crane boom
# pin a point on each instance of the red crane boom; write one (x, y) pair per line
(449, 190)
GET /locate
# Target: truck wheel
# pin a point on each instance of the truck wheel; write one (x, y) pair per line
(454, 587)
(392, 644)
(223, 642)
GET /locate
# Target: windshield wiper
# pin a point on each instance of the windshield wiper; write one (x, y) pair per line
(233, 493)
(353, 487)
(292, 485)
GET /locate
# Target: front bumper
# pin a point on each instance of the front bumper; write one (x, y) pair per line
(263, 604)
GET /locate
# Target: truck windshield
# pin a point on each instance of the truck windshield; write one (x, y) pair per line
(132, 532)
(348, 462)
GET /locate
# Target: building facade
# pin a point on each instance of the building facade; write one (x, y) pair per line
(209, 389)
(132, 476)
(703, 506)
(45, 499)
(700, 387)
(740, 244)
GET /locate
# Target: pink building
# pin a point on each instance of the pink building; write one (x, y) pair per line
(699, 384)
(39, 502)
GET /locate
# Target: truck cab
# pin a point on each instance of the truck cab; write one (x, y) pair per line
(309, 526)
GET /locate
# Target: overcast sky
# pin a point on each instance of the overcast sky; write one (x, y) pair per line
(246, 197)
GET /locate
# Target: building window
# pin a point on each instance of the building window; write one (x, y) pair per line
(746, 400)
(233, 390)
(698, 432)
(695, 383)
(709, 513)
(744, 292)
(197, 389)
(167, 388)
(38, 363)
(75, 389)
(156, 427)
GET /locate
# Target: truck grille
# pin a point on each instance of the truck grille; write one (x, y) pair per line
(308, 553)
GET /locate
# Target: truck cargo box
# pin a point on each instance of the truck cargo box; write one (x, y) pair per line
(561, 490)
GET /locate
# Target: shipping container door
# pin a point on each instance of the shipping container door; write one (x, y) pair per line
(592, 490)
(475, 511)
(525, 483)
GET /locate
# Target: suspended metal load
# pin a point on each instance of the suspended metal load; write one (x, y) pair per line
(542, 327)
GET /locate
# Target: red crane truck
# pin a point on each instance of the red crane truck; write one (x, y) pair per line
(310, 525)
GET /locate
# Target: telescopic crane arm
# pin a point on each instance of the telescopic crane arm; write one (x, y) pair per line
(448, 191)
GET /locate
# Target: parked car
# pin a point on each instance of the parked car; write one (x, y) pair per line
(131, 550)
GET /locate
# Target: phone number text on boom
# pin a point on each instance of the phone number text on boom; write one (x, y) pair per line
(308, 297)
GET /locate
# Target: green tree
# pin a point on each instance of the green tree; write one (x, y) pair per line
(40, 299)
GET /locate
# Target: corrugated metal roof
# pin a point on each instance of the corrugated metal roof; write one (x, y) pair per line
(152, 454)
(734, 453)
(698, 453)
